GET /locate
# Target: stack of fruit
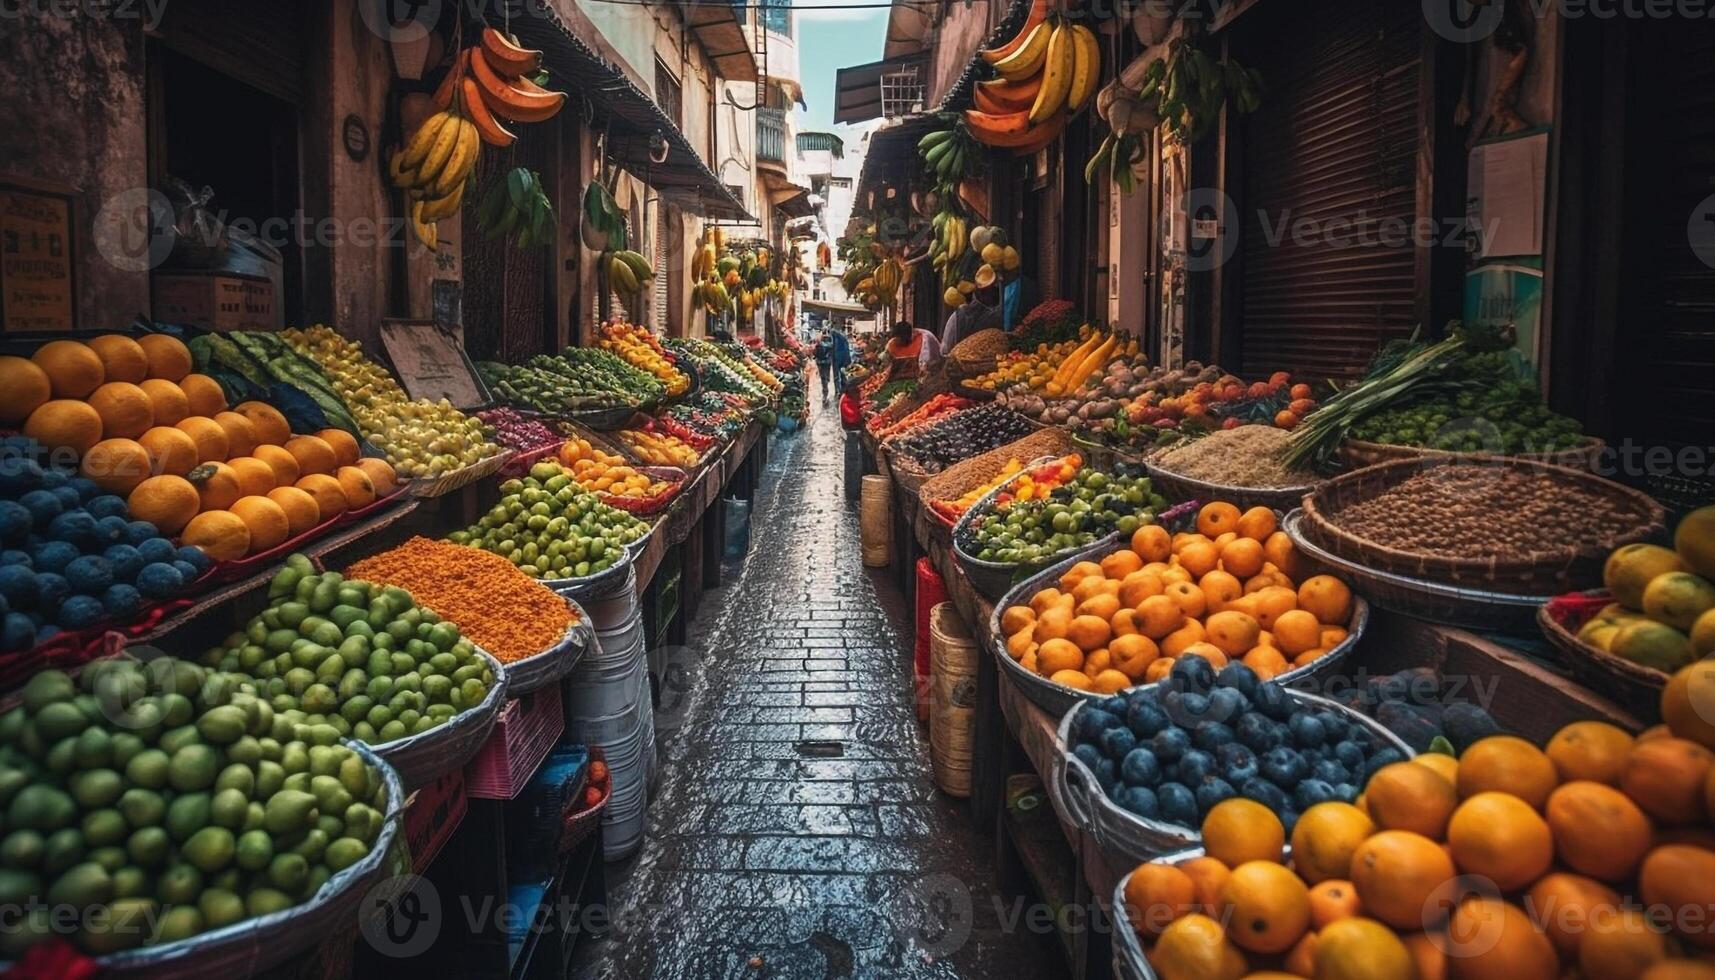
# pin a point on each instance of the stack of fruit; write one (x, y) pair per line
(721, 371)
(151, 803)
(1591, 857)
(603, 472)
(551, 528)
(1206, 743)
(421, 438)
(1229, 591)
(1028, 369)
(1051, 512)
(514, 431)
(929, 411)
(1663, 613)
(629, 274)
(1048, 72)
(265, 359)
(960, 435)
(704, 420)
(74, 555)
(656, 446)
(750, 359)
(951, 510)
(336, 658)
(639, 348)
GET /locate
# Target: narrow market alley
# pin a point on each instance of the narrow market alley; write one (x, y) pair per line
(764, 858)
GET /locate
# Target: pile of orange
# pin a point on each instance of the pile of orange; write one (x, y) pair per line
(1227, 592)
(603, 472)
(140, 424)
(1593, 857)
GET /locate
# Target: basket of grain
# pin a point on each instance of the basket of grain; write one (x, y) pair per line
(1357, 453)
(968, 475)
(1243, 466)
(1501, 525)
(975, 355)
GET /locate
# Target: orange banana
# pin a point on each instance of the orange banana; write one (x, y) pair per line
(997, 129)
(476, 111)
(1042, 134)
(444, 93)
(510, 101)
(1010, 96)
(506, 58)
(1038, 14)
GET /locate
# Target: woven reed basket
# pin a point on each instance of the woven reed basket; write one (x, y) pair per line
(975, 355)
(1574, 566)
(952, 692)
(962, 477)
(875, 521)
(1356, 453)
(1633, 685)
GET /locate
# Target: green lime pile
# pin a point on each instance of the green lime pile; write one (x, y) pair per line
(355, 659)
(1492, 409)
(147, 803)
(1091, 506)
(552, 528)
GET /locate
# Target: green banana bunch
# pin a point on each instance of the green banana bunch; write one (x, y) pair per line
(1116, 160)
(517, 205)
(950, 155)
(1192, 86)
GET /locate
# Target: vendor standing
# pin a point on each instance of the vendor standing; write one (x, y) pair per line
(980, 312)
(914, 351)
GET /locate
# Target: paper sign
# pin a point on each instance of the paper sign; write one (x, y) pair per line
(35, 261)
(1506, 182)
(431, 363)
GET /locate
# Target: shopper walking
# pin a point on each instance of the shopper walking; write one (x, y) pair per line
(842, 360)
(825, 362)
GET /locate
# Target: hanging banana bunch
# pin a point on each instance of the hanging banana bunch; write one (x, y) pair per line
(517, 204)
(1122, 158)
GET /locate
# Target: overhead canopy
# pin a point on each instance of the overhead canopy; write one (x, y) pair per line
(717, 27)
(857, 90)
(632, 119)
(891, 160)
(798, 205)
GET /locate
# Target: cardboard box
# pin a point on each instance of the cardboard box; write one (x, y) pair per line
(214, 300)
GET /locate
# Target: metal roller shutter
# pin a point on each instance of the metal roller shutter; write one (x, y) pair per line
(1335, 141)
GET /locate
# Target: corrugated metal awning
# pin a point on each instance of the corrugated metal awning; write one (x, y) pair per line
(632, 119)
(717, 27)
(891, 159)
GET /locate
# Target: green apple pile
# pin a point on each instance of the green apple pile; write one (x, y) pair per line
(552, 528)
(147, 803)
(354, 659)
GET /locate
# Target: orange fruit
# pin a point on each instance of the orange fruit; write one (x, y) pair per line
(1158, 670)
(1054, 656)
(1621, 946)
(116, 465)
(271, 426)
(1268, 907)
(302, 511)
(330, 496)
(1399, 875)
(1017, 618)
(1102, 606)
(1195, 946)
(1092, 586)
(1125, 622)
(1219, 589)
(1325, 838)
(345, 450)
(1266, 662)
(1217, 518)
(65, 424)
(217, 484)
(1257, 524)
(1096, 661)
(24, 387)
(212, 444)
(1300, 960)
(1089, 632)
(266, 520)
(1074, 679)
(1109, 681)
(1188, 598)
(283, 463)
(1053, 624)
(1117, 565)
(170, 450)
(1331, 900)
(1156, 895)
(1075, 575)
(1688, 703)
(1665, 777)
(1427, 953)
(1152, 543)
(1138, 586)
(1296, 631)
(1488, 939)
(240, 433)
(1019, 644)
(1207, 876)
(169, 358)
(1598, 830)
(203, 395)
(1160, 615)
(1332, 636)
(1679, 969)
(1408, 796)
(1199, 558)
(1046, 599)
(1507, 764)
(1132, 654)
(73, 369)
(1183, 638)
(1681, 878)
(1280, 552)
(1445, 766)
(1360, 948)
(1502, 838)
(122, 359)
(167, 401)
(255, 477)
(168, 502)
(1563, 905)
(1271, 603)
(1242, 557)
(1326, 598)
(1237, 830)
(124, 409)
(1208, 651)
(1308, 657)
(1233, 632)
(313, 454)
(381, 474)
(221, 534)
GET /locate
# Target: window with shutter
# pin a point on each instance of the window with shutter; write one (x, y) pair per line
(1327, 163)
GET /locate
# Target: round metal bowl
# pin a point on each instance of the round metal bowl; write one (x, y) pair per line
(993, 578)
(1125, 835)
(1057, 699)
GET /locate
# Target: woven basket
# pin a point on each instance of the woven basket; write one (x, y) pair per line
(554, 663)
(1539, 573)
(421, 759)
(904, 472)
(962, 477)
(975, 355)
(1634, 686)
(458, 479)
(875, 520)
(952, 699)
(251, 946)
(1356, 453)
(1177, 487)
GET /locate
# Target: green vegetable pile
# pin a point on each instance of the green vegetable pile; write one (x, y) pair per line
(1091, 506)
(577, 379)
(354, 659)
(265, 358)
(551, 527)
(721, 371)
(152, 802)
(1495, 412)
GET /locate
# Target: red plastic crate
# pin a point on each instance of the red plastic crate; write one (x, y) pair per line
(431, 816)
(523, 736)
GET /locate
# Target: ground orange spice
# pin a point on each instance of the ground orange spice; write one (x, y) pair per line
(501, 609)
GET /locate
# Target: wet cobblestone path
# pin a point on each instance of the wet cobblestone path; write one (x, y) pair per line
(764, 860)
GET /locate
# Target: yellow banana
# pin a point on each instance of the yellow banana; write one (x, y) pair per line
(461, 161)
(418, 147)
(1057, 69)
(424, 230)
(1027, 60)
(624, 281)
(446, 141)
(443, 207)
(1087, 67)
